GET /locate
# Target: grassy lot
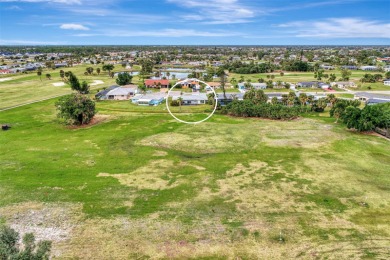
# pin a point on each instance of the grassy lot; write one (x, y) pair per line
(139, 185)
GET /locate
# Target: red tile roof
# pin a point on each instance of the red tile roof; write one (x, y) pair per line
(151, 82)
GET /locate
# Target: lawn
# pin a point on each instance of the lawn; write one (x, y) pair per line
(140, 185)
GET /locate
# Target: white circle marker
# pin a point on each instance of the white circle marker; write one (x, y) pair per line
(196, 122)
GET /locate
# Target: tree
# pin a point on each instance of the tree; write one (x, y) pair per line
(387, 75)
(222, 76)
(291, 99)
(274, 101)
(89, 70)
(62, 74)
(180, 100)
(48, 76)
(76, 109)
(9, 248)
(331, 98)
(39, 73)
(108, 67)
(75, 84)
(256, 96)
(143, 88)
(281, 73)
(98, 71)
(168, 74)
(345, 74)
(124, 78)
(303, 98)
(332, 77)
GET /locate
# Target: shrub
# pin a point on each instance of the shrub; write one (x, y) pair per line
(76, 109)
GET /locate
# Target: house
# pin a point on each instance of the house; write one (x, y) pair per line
(190, 84)
(229, 98)
(103, 93)
(386, 82)
(149, 99)
(372, 98)
(157, 83)
(117, 93)
(241, 86)
(309, 84)
(349, 67)
(61, 65)
(343, 84)
(323, 85)
(3, 72)
(369, 68)
(192, 98)
(386, 68)
(327, 67)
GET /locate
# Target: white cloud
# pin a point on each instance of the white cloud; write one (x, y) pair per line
(73, 26)
(13, 8)
(339, 28)
(170, 33)
(68, 2)
(216, 11)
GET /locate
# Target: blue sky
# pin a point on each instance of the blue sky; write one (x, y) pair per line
(194, 22)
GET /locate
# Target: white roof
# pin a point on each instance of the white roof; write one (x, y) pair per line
(120, 92)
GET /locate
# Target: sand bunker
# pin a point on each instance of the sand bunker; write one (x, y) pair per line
(96, 82)
(58, 84)
(5, 79)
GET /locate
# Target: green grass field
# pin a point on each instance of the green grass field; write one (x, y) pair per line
(139, 185)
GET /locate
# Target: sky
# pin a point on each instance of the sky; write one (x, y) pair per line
(194, 22)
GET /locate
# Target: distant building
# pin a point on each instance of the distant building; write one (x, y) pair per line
(369, 68)
(343, 84)
(386, 82)
(117, 93)
(149, 99)
(372, 98)
(241, 85)
(349, 67)
(192, 98)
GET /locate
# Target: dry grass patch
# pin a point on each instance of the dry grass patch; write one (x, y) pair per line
(147, 177)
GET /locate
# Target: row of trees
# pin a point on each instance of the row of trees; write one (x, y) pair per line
(247, 108)
(366, 119)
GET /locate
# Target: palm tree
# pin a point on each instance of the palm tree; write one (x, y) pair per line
(39, 73)
(310, 100)
(233, 81)
(168, 74)
(331, 98)
(303, 98)
(180, 99)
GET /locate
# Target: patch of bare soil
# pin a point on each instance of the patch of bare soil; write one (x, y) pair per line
(53, 222)
(97, 119)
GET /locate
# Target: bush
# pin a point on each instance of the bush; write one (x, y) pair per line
(175, 103)
(9, 246)
(247, 108)
(76, 109)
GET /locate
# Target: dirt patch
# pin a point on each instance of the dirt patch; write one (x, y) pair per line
(53, 222)
(160, 153)
(97, 119)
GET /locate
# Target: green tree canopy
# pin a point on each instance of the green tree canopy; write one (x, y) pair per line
(76, 109)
